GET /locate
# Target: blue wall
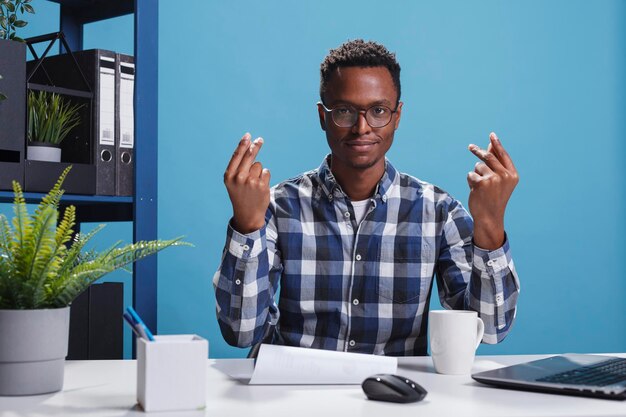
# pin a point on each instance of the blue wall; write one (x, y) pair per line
(548, 77)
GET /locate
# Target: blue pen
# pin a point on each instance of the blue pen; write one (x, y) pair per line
(140, 323)
(136, 328)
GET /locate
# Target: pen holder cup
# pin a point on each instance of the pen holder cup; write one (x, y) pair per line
(171, 372)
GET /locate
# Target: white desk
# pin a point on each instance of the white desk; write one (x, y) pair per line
(107, 388)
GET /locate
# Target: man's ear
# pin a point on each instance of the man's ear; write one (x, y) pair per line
(398, 115)
(322, 115)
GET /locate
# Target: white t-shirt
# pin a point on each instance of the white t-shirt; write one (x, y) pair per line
(360, 208)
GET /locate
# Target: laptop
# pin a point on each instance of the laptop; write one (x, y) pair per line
(571, 374)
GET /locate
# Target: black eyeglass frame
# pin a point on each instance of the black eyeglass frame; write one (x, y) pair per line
(327, 110)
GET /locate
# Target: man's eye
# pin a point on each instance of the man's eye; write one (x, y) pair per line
(342, 111)
(379, 110)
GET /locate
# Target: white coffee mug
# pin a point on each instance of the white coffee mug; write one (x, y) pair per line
(454, 338)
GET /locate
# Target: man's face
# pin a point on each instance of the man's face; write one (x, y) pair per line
(360, 146)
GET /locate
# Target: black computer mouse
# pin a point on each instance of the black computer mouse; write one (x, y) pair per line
(394, 388)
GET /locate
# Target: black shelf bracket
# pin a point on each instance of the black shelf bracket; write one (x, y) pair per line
(51, 38)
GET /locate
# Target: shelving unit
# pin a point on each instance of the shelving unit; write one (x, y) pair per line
(74, 14)
(88, 208)
(141, 208)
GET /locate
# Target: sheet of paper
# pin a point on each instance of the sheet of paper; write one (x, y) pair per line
(240, 369)
(285, 365)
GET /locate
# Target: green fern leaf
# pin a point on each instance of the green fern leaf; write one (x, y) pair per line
(41, 243)
(22, 225)
(139, 250)
(65, 229)
(54, 195)
(6, 237)
(38, 249)
(76, 283)
(73, 254)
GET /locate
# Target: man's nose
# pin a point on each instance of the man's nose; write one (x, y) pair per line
(361, 126)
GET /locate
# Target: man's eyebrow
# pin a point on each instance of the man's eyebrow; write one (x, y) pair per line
(383, 101)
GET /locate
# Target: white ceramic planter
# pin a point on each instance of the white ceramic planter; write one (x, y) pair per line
(33, 347)
(36, 151)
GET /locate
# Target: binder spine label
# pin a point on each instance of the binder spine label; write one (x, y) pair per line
(127, 122)
(107, 101)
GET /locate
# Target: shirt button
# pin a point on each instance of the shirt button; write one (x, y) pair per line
(238, 282)
(352, 343)
(355, 302)
(498, 299)
(246, 247)
(330, 197)
(358, 257)
(346, 214)
(384, 198)
(490, 262)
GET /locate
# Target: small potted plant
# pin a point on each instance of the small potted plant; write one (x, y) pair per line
(42, 269)
(50, 119)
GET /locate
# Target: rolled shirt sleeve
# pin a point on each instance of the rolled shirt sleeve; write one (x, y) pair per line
(493, 290)
(473, 278)
(244, 290)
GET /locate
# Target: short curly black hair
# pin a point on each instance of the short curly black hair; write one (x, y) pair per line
(359, 53)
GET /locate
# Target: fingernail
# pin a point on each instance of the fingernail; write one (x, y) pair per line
(495, 137)
(258, 140)
(472, 147)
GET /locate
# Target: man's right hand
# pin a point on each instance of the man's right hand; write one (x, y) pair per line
(248, 185)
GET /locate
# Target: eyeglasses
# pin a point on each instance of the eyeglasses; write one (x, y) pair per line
(346, 116)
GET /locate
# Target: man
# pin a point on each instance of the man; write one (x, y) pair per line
(353, 245)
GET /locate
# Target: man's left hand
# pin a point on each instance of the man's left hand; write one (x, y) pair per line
(491, 184)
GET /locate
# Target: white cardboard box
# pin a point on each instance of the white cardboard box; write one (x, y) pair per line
(171, 372)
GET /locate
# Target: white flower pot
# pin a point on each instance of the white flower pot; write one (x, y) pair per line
(39, 151)
(33, 347)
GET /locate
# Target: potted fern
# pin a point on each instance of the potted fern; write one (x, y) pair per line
(50, 119)
(42, 269)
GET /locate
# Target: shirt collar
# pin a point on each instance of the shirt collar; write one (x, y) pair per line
(329, 183)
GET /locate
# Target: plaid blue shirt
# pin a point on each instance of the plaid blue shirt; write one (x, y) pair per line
(359, 287)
